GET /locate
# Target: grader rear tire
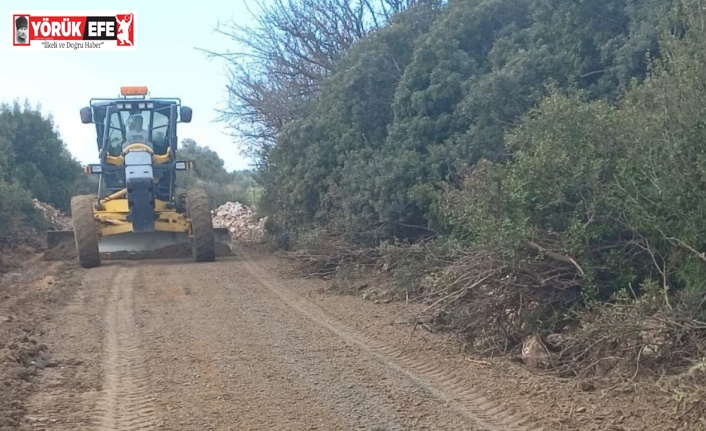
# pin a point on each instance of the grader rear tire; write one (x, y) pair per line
(203, 246)
(85, 231)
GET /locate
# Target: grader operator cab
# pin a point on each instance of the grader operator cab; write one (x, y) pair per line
(136, 208)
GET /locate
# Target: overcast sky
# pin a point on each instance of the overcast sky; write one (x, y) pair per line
(167, 61)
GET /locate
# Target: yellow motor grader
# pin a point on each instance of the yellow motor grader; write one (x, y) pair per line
(136, 208)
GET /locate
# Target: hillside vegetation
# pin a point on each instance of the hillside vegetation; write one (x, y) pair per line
(210, 174)
(34, 164)
(527, 167)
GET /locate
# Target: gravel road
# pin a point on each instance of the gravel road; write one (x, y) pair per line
(235, 345)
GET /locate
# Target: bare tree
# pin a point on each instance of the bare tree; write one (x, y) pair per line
(292, 47)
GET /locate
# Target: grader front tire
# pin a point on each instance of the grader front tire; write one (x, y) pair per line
(203, 245)
(85, 231)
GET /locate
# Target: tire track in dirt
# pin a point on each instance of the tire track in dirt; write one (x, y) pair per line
(450, 385)
(68, 385)
(445, 385)
(125, 404)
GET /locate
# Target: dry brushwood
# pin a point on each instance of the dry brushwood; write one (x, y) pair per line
(494, 305)
(631, 339)
(327, 257)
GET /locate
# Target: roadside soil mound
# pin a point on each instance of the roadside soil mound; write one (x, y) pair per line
(29, 295)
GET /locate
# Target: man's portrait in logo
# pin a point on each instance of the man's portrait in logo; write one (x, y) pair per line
(21, 33)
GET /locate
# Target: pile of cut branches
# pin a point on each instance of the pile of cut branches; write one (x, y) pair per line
(494, 304)
(322, 255)
(631, 337)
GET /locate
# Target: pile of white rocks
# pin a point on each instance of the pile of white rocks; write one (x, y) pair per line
(239, 221)
(56, 219)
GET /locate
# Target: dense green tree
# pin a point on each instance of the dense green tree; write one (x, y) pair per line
(210, 174)
(208, 165)
(616, 187)
(308, 174)
(434, 90)
(34, 157)
(16, 210)
(34, 164)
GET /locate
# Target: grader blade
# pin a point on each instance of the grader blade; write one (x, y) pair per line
(151, 241)
(140, 242)
(134, 242)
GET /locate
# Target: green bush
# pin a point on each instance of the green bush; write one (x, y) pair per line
(17, 210)
(618, 188)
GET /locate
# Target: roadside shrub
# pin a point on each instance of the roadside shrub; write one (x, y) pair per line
(17, 210)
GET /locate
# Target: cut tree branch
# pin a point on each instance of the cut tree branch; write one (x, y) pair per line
(556, 256)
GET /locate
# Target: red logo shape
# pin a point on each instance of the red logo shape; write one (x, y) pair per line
(125, 30)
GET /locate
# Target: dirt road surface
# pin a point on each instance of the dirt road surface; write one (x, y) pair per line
(239, 344)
